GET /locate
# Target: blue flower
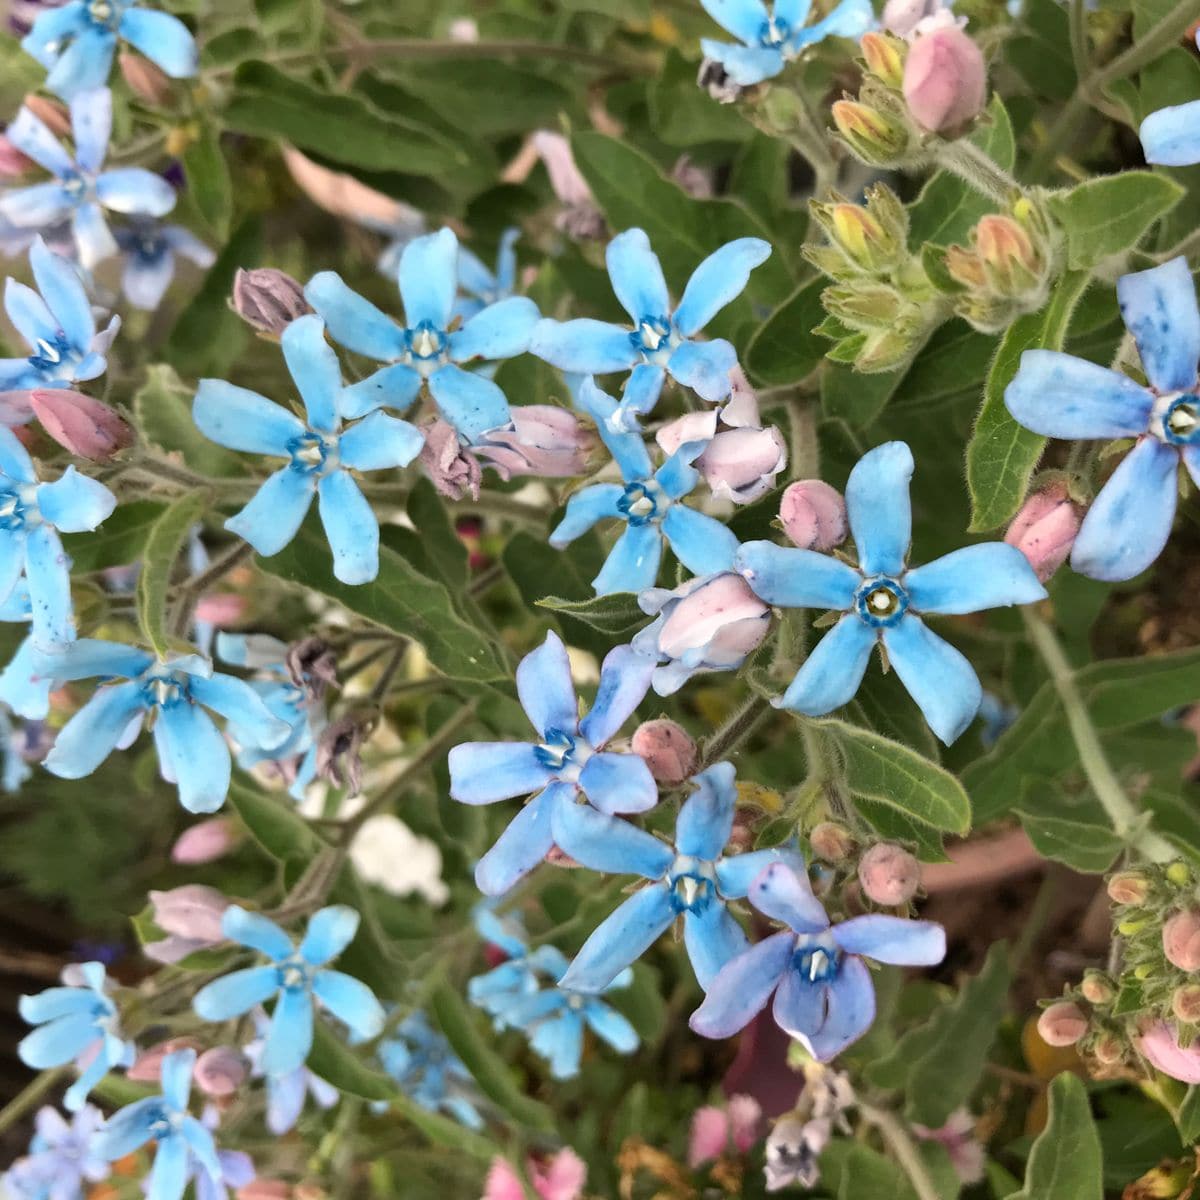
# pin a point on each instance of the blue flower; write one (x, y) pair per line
(772, 38)
(882, 598)
(31, 515)
(22, 685)
(286, 1093)
(149, 250)
(647, 503)
(320, 453)
(1171, 136)
(80, 190)
(422, 1063)
(661, 342)
(57, 325)
(76, 42)
(483, 286)
(426, 348)
(690, 879)
(295, 975)
(78, 1022)
(501, 991)
(62, 1158)
(568, 760)
(1061, 396)
(822, 986)
(182, 1141)
(191, 751)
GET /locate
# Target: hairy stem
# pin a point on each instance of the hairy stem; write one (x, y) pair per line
(901, 1145)
(973, 166)
(736, 730)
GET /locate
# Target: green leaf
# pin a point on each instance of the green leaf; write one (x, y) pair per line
(856, 398)
(1105, 216)
(896, 826)
(166, 538)
(118, 542)
(1065, 1162)
(336, 1063)
(400, 599)
(162, 407)
(1001, 455)
(443, 548)
(1087, 848)
(1188, 1117)
(274, 823)
(444, 1131)
(784, 350)
(612, 614)
(685, 115)
(487, 1068)
(892, 774)
(209, 185)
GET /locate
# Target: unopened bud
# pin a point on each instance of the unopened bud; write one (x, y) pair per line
(1013, 262)
(268, 300)
(52, 113)
(945, 80)
(191, 917)
(1108, 1049)
(146, 80)
(265, 1189)
(339, 751)
(81, 424)
(831, 841)
(13, 163)
(813, 515)
(220, 1071)
(1181, 940)
(1097, 988)
(884, 55)
(204, 842)
(889, 875)
(1179, 873)
(1128, 887)
(1045, 529)
(965, 267)
(1185, 1003)
(864, 305)
(875, 137)
(668, 750)
(1062, 1024)
(741, 464)
(886, 349)
(147, 1067)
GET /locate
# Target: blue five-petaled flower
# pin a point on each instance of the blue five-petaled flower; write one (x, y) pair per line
(823, 991)
(1171, 136)
(647, 502)
(320, 452)
(296, 975)
(427, 347)
(661, 342)
(1061, 396)
(428, 1071)
(76, 42)
(772, 38)
(568, 760)
(182, 1142)
(80, 190)
(690, 880)
(191, 751)
(150, 250)
(882, 598)
(62, 1158)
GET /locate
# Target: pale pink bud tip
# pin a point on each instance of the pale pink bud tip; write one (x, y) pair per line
(709, 1135)
(220, 1071)
(889, 874)
(945, 80)
(1159, 1044)
(147, 1067)
(1181, 940)
(668, 750)
(81, 424)
(1045, 529)
(204, 842)
(1062, 1024)
(268, 300)
(813, 515)
(741, 464)
(192, 911)
(145, 80)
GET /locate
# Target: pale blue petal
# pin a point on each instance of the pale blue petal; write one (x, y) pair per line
(63, 292)
(621, 938)
(21, 687)
(47, 570)
(162, 38)
(135, 190)
(619, 783)
(91, 656)
(1191, 460)
(379, 443)
(56, 1002)
(14, 458)
(76, 1095)
(396, 387)
(742, 987)
(637, 277)
(243, 420)
(788, 577)
(879, 509)
(745, 19)
(91, 126)
(236, 993)
(800, 1005)
(850, 19)
(712, 938)
(314, 369)
(792, 12)
(1062, 396)
(473, 276)
(484, 772)
(1129, 522)
(169, 1175)
(894, 940)
(53, 27)
(786, 895)
(937, 676)
(611, 1027)
(176, 1077)
(193, 753)
(94, 241)
(242, 707)
(737, 873)
(584, 346)
(202, 1146)
(705, 820)
(75, 503)
(285, 1100)
(29, 314)
(353, 321)
(289, 1038)
(12, 563)
(145, 280)
(256, 931)
(850, 1009)
(974, 578)
(429, 278)
(560, 1042)
(604, 843)
(89, 736)
(57, 1042)
(84, 65)
(545, 688)
(129, 1128)
(627, 446)
(501, 330)
(352, 1002)
(470, 402)
(351, 528)
(677, 476)
(641, 393)
(36, 207)
(329, 932)
(1159, 308)
(624, 680)
(276, 511)
(33, 138)
(720, 278)
(525, 843)
(703, 544)
(595, 503)
(632, 564)
(745, 65)
(704, 367)
(1171, 136)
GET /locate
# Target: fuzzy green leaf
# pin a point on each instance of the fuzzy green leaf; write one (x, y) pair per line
(1087, 848)
(1065, 1163)
(784, 350)
(119, 541)
(209, 186)
(612, 614)
(334, 1061)
(166, 538)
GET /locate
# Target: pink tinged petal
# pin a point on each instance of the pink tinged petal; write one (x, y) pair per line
(893, 940)
(786, 895)
(745, 1115)
(502, 1183)
(743, 987)
(709, 611)
(563, 1177)
(1159, 1044)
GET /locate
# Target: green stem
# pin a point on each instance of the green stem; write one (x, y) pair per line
(973, 166)
(1127, 822)
(1077, 15)
(30, 1094)
(901, 1145)
(736, 730)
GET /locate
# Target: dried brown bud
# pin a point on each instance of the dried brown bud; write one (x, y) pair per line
(312, 665)
(268, 300)
(339, 751)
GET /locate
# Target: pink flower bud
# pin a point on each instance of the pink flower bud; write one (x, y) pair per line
(451, 468)
(545, 440)
(709, 1135)
(565, 178)
(945, 80)
(745, 1117)
(1128, 887)
(221, 609)
(831, 841)
(1045, 529)
(81, 424)
(560, 1177)
(1181, 940)
(668, 750)
(13, 163)
(345, 196)
(146, 81)
(191, 911)
(52, 113)
(147, 1067)
(1159, 1045)
(204, 842)
(908, 18)
(813, 515)
(220, 1071)
(741, 464)
(268, 300)
(1062, 1024)
(889, 874)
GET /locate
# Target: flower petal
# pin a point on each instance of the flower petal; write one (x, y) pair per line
(75, 503)
(745, 65)
(484, 772)
(545, 687)
(624, 680)
(353, 321)
(640, 395)
(800, 1005)
(14, 458)
(791, 578)
(396, 386)
(712, 938)
(720, 278)
(834, 669)
(89, 736)
(243, 420)
(57, 1042)
(84, 65)
(625, 445)
(289, 1038)
(705, 820)
(1171, 136)
(703, 544)
(894, 940)
(637, 277)
(879, 509)
(937, 676)
(743, 986)
(527, 840)
(256, 931)
(33, 138)
(194, 754)
(470, 402)
(128, 1128)
(276, 511)
(501, 330)
(314, 369)
(350, 526)
(91, 126)
(176, 1077)
(251, 720)
(620, 938)
(618, 783)
(974, 578)
(236, 993)
(35, 207)
(63, 292)
(429, 278)
(611, 1027)
(30, 316)
(704, 367)
(1062, 396)
(352, 1002)
(162, 38)
(379, 443)
(560, 1042)
(850, 1009)
(597, 502)
(584, 346)
(786, 895)
(48, 574)
(736, 873)
(604, 843)
(94, 241)
(91, 656)
(632, 564)
(1159, 308)
(329, 932)
(135, 190)
(745, 19)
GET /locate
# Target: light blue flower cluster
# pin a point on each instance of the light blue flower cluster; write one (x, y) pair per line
(428, 1071)
(62, 1159)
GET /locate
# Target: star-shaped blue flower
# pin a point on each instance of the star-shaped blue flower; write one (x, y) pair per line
(1061, 396)
(884, 599)
(426, 348)
(150, 251)
(76, 42)
(568, 761)
(822, 986)
(647, 502)
(428, 1071)
(320, 453)
(661, 341)
(772, 37)
(690, 879)
(296, 976)
(80, 190)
